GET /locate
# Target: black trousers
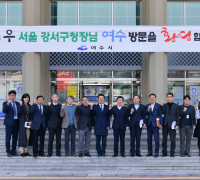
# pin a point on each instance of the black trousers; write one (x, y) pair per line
(52, 132)
(101, 148)
(172, 134)
(70, 130)
(36, 134)
(12, 131)
(135, 135)
(198, 144)
(119, 134)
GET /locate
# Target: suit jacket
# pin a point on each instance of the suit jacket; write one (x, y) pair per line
(9, 113)
(183, 115)
(121, 120)
(37, 118)
(101, 120)
(137, 115)
(85, 117)
(65, 115)
(170, 116)
(54, 118)
(153, 115)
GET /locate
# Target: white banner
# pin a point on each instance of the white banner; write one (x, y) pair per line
(99, 38)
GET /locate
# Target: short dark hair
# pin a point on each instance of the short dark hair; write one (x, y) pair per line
(12, 92)
(84, 97)
(152, 94)
(136, 96)
(40, 96)
(70, 97)
(120, 97)
(101, 95)
(170, 94)
(187, 96)
(26, 95)
(55, 94)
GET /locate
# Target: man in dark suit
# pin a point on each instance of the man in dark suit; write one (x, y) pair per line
(54, 125)
(84, 126)
(137, 121)
(154, 123)
(101, 114)
(170, 123)
(39, 114)
(187, 125)
(11, 121)
(120, 125)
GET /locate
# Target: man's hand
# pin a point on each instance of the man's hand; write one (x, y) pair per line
(110, 106)
(149, 107)
(132, 110)
(176, 128)
(63, 105)
(185, 109)
(30, 123)
(35, 101)
(91, 106)
(76, 129)
(162, 103)
(20, 103)
(159, 126)
(144, 126)
(127, 128)
(49, 103)
(194, 127)
(92, 127)
(47, 129)
(8, 102)
(197, 108)
(79, 103)
(108, 128)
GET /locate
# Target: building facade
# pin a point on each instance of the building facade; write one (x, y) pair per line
(113, 74)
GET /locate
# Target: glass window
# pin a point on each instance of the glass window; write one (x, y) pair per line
(14, 74)
(126, 74)
(192, 13)
(2, 74)
(125, 13)
(176, 74)
(193, 89)
(95, 13)
(177, 88)
(95, 74)
(175, 13)
(2, 13)
(15, 13)
(193, 74)
(64, 13)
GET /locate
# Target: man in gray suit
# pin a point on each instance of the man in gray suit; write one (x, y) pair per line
(69, 124)
(170, 123)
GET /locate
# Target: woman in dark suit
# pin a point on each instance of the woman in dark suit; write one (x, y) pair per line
(197, 130)
(24, 132)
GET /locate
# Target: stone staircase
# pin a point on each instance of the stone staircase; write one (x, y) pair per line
(99, 166)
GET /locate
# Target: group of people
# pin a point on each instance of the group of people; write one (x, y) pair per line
(27, 124)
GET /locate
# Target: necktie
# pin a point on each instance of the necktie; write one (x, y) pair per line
(40, 109)
(14, 109)
(101, 107)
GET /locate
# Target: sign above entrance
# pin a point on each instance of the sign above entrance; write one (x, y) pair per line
(99, 38)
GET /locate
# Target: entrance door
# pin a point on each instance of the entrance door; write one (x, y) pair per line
(93, 89)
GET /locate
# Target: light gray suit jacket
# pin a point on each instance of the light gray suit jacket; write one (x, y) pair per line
(65, 114)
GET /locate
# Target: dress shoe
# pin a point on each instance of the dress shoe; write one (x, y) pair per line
(172, 155)
(99, 155)
(49, 155)
(9, 155)
(27, 154)
(123, 155)
(155, 155)
(66, 155)
(149, 154)
(73, 155)
(132, 154)
(35, 156)
(80, 154)
(87, 154)
(138, 154)
(182, 155)
(103, 155)
(164, 155)
(115, 155)
(23, 155)
(15, 154)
